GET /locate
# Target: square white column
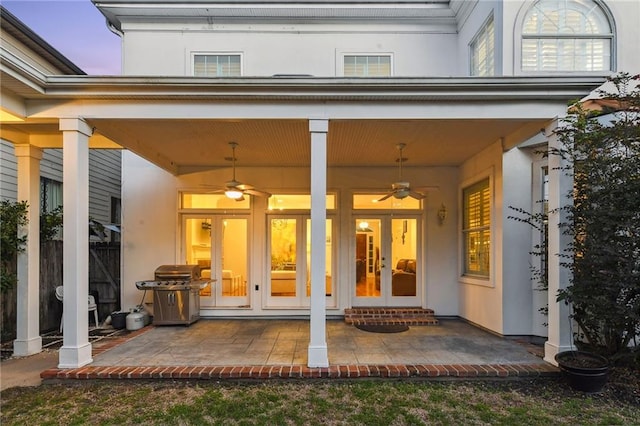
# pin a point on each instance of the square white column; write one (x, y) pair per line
(76, 349)
(560, 186)
(28, 339)
(317, 352)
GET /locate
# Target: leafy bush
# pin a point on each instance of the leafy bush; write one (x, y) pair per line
(50, 224)
(603, 156)
(12, 216)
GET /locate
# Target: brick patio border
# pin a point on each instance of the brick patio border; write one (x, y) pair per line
(263, 372)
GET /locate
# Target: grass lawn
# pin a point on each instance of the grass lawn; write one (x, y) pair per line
(543, 401)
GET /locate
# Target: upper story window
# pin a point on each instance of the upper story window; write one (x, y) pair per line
(216, 65)
(566, 35)
(476, 229)
(367, 65)
(483, 51)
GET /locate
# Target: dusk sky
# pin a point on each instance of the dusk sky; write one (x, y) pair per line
(75, 28)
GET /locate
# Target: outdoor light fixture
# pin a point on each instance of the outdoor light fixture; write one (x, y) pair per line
(442, 214)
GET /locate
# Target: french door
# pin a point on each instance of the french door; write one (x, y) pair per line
(289, 280)
(219, 245)
(386, 262)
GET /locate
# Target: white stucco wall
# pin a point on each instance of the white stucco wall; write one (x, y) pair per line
(517, 295)
(470, 27)
(151, 228)
(149, 206)
(289, 49)
(481, 300)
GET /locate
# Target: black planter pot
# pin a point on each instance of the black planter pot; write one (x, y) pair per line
(585, 371)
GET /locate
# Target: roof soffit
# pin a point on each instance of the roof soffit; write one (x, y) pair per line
(433, 11)
(311, 88)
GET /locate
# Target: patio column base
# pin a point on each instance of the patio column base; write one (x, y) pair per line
(24, 347)
(550, 351)
(318, 356)
(74, 357)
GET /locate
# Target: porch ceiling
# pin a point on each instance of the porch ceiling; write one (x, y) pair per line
(193, 145)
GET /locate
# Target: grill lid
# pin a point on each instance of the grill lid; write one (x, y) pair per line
(177, 272)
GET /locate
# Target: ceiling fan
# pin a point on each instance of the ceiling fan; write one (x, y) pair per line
(401, 189)
(237, 190)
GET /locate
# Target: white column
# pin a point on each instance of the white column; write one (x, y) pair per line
(559, 337)
(28, 340)
(318, 353)
(76, 349)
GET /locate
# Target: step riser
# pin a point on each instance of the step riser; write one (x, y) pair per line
(390, 316)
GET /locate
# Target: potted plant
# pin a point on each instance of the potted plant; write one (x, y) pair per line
(585, 371)
(602, 150)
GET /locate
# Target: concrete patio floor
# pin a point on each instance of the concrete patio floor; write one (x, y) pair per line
(265, 348)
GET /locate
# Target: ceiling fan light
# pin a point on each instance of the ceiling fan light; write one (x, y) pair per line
(234, 194)
(401, 193)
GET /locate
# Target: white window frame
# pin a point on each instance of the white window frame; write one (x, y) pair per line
(486, 36)
(192, 61)
(343, 54)
(610, 36)
(486, 281)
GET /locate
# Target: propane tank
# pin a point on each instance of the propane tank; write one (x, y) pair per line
(135, 321)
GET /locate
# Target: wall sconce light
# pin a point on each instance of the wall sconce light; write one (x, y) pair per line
(442, 214)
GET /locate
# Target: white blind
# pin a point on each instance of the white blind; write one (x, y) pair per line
(216, 65)
(567, 35)
(476, 229)
(367, 66)
(483, 51)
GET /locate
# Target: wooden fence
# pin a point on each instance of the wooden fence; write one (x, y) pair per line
(104, 284)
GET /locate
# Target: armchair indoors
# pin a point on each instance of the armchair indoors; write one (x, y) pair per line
(403, 280)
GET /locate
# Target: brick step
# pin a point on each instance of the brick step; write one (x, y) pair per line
(388, 316)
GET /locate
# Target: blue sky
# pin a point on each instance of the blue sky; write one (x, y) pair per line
(75, 28)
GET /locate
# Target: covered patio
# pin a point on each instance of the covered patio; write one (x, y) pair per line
(277, 348)
(311, 136)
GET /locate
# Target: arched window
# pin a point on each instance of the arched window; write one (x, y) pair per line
(566, 35)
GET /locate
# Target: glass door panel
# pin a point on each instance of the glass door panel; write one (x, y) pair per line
(368, 258)
(328, 256)
(386, 255)
(284, 257)
(197, 247)
(404, 236)
(291, 258)
(231, 287)
(219, 246)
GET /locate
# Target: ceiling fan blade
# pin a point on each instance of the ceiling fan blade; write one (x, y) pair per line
(416, 195)
(386, 196)
(243, 186)
(240, 199)
(257, 192)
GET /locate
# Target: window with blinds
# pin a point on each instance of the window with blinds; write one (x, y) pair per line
(566, 35)
(50, 195)
(483, 51)
(216, 65)
(367, 66)
(477, 229)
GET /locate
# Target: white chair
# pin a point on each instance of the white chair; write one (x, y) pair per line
(91, 304)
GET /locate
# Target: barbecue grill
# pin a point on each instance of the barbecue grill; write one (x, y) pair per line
(176, 294)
